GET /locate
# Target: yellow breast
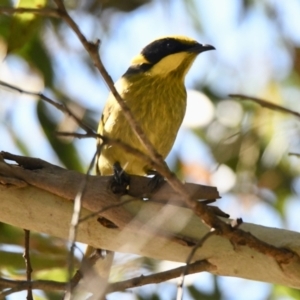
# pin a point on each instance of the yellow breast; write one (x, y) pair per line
(158, 104)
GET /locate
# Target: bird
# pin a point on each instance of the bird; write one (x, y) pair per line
(153, 88)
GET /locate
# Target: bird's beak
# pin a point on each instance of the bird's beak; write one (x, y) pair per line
(198, 48)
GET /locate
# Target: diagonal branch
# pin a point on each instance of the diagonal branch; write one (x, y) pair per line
(49, 285)
(196, 267)
(266, 104)
(61, 107)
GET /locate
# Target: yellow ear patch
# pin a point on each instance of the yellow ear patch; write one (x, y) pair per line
(139, 59)
(172, 62)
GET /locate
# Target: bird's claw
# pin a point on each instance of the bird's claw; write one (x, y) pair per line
(121, 180)
(156, 181)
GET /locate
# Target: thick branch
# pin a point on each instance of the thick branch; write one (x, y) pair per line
(44, 205)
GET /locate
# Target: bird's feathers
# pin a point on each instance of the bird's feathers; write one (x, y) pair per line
(153, 88)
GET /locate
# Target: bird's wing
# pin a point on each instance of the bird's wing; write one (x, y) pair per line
(111, 115)
(112, 110)
(105, 115)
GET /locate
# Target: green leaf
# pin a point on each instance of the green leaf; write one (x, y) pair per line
(24, 25)
(13, 262)
(4, 20)
(13, 236)
(57, 274)
(38, 58)
(18, 141)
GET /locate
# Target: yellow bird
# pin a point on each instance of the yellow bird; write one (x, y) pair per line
(153, 88)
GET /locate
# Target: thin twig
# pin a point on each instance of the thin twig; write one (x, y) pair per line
(26, 256)
(188, 261)
(196, 267)
(266, 104)
(74, 225)
(21, 285)
(94, 214)
(294, 154)
(62, 107)
(116, 142)
(49, 285)
(90, 262)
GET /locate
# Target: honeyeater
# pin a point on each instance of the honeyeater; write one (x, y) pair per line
(153, 88)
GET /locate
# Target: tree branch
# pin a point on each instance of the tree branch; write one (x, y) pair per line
(49, 285)
(146, 228)
(266, 104)
(197, 267)
(26, 256)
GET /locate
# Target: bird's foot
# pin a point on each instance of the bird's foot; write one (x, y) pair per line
(121, 180)
(156, 181)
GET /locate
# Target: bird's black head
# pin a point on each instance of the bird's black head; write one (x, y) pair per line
(161, 48)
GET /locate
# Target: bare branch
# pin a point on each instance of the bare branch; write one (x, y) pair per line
(26, 256)
(196, 267)
(74, 226)
(188, 261)
(99, 212)
(63, 108)
(294, 154)
(266, 104)
(110, 141)
(48, 285)
(21, 285)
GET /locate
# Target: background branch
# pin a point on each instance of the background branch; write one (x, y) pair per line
(26, 256)
(48, 285)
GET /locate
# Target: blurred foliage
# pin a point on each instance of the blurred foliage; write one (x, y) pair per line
(24, 26)
(253, 142)
(48, 255)
(66, 151)
(197, 294)
(280, 292)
